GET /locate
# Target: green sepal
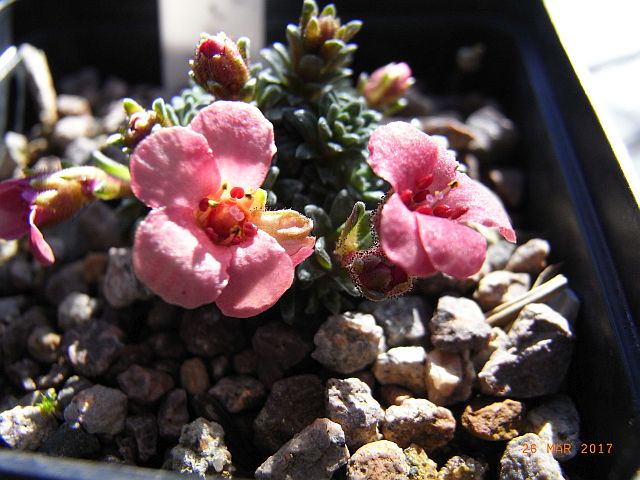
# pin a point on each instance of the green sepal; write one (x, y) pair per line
(113, 168)
(356, 232)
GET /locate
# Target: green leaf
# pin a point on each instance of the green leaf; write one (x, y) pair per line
(309, 9)
(332, 301)
(329, 10)
(321, 222)
(272, 176)
(110, 166)
(349, 30)
(324, 130)
(310, 67)
(321, 254)
(341, 207)
(303, 121)
(309, 271)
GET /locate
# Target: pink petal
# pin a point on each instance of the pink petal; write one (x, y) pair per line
(14, 210)
(400, 239)
(301, 251)
(484, 206)
(400, 153)
(453, 248)
(241, 140)
(175, 259)
(39, 247)
(173, 167)
(259, 273)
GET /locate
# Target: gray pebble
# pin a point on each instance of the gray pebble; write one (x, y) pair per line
(381, 460)
(167, 345)
(194, 377)
(196, 328)
(419, 421)
(498, 254)
(144, 385)
(162, 315)
(54, 377)
(449, 376)
(173, 414)
(293, 403)
(43, 344)
(144, 429)
(69, 128)
(78, 151)
(498, 339)
(239, 393)
(100, 228)
(76, 309)
(279, 347)
(463, 467)
(500, 286)
(530, 257)
(508, 183)
(201, 450)
(121, 287)
(71, 440)
(71, 387)
(526, 459)
(23, 374)
(348, 342)
(70, 278)
(26, 427)
(403, 319)
(245, 362)
(404, 366)
(18, 328)
(93, 347)
(458, 324)
(351, 405)
(69, 105)
(556, 422)
(540, 337)
(98, 409)
(313, 454)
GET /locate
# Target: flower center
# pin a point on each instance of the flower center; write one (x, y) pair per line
(226, 216)
(422, 200)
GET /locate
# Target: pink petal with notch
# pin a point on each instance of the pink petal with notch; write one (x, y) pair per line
(259, 273)
(176, 260)
(453, 248)
(241, 139)
(400, 239)
(173, 167)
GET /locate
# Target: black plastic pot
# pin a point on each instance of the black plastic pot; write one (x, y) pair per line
(577, 196)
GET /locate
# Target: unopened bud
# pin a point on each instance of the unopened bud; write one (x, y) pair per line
(220, 67)
(139, 126)
(375, 276)
(387, 84)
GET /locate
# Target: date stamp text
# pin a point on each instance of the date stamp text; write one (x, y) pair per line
(568, 448)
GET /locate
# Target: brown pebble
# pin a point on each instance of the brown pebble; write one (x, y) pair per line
(194, 377)
(495, 420)
(381, 460)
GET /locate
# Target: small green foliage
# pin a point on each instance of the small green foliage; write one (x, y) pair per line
(47, 402)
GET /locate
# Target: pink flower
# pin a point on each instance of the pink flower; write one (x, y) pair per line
(422, 224)
(26, 204)
(207, 238)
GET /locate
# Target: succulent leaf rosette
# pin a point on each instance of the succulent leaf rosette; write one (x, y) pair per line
(331, 206)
